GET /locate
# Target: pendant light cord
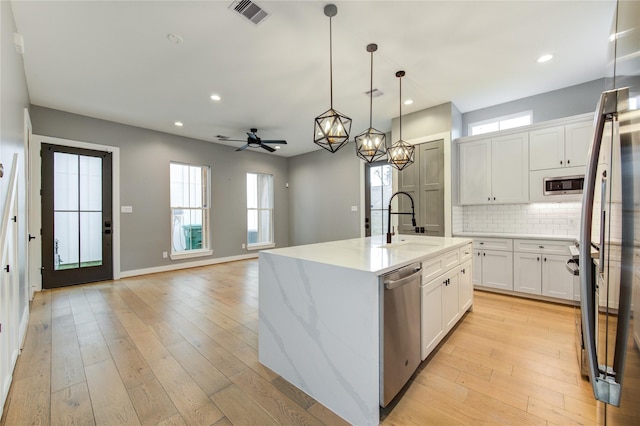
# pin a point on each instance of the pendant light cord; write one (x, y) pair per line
(371, 95)
(330, 63)
(400, 107)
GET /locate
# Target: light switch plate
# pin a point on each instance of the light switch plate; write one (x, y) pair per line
(354, 208)
(126, 209)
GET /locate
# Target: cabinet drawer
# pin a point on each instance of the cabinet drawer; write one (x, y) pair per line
(493, 244)
(542, 246)
(466, 252)
(432, 268)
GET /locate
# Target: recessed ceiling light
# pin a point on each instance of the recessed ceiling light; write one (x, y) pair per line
(408, 102)
(545, 58)
(174, 38)
(215, 97)
(278, 147)
(178, 124)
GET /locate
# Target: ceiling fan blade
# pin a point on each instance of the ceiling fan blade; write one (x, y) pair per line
(231, 140)
(243, 147)
(268, 148)
(252, 135)
(274, 141)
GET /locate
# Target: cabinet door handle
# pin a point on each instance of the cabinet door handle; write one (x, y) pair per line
(484, 254)
(478, 253)
(538, 259)
(463, 271)
(568, 161)
(545, 259)
(488, 198)
(541, 247)
(494, 198)
(560, 162)
(481, 243)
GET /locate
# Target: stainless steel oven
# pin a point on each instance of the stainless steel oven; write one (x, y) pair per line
(563, 185)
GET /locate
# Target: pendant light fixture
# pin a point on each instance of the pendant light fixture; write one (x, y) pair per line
(372, 143)
(401, 153)
(331, 129)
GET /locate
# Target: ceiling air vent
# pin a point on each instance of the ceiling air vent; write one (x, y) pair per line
(375, 93)
(250, 10)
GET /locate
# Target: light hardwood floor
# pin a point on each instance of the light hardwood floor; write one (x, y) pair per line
(180, 348)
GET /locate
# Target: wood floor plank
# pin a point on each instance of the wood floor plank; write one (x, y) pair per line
(66, 360)
(151, 402)
(278, 405)
(72, 406)
(109, 398)
(240, 409)
(205, 374)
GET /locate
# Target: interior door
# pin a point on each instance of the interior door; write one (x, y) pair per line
(431, 200)
(76, 216)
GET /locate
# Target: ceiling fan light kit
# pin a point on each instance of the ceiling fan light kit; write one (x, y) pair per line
(401, 154)
(331, 128)
(371, 145)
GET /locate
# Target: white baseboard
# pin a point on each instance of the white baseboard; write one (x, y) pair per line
(186, 265)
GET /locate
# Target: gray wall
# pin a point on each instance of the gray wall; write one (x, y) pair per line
(426, 122)
(14, 98)
(573, 100)
(144, 184)
(322, 188)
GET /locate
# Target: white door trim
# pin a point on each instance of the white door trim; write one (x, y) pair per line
(35, 145)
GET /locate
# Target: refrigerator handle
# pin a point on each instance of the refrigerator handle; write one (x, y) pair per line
(603, 221)
(604, 387)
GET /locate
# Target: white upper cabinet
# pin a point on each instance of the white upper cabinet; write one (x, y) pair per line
(560, 146)
(495, 170)
(546, 148)
(578, 138)
(509, 174)
(475, 172)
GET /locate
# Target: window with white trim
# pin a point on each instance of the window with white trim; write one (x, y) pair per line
(501, 123)
(259, 211)
(189, 193)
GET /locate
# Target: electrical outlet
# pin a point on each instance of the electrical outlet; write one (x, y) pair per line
(165, 255)
(244, 246)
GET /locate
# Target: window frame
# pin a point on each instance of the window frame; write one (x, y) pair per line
(205, 210)
(499, 121)
(261, 245)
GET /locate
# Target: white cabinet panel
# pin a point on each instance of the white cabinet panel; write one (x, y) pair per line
(527, 273)
(509, 169)
(578, 138)
(475, 172)
(556, 280)
(497, 269)
(546, 148)
(450, 299)
(432, 329)
(477, 267)
(493, 244)
(465, 289)
(543, 246)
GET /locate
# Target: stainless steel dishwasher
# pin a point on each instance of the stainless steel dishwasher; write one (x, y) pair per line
(400, 329)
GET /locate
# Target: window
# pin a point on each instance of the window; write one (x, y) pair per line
(189, 210)
(501, 123)
(259, 211)
(379, 180)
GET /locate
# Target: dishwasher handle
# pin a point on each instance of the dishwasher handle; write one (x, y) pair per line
(391, 284)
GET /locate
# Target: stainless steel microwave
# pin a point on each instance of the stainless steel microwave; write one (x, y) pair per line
(563, 185)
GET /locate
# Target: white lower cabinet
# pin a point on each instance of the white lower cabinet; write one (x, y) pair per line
(444, 298)
(540, 268)
(497, 269)
(527, 276)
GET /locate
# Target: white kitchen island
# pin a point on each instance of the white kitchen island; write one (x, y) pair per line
(319, 313)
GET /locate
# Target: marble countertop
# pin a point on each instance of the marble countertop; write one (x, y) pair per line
(372, 254)
(516, 236)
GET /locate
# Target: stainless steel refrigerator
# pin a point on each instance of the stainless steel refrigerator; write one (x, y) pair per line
(610, 232)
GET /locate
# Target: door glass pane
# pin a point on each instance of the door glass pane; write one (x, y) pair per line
(65, 252)
(90, 239)
(90, 183)
(65, 181)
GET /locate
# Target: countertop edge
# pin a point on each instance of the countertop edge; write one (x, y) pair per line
(516, 236)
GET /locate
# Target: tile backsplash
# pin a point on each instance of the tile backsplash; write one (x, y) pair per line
(535, 218)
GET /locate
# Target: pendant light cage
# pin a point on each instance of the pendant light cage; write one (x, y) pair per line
(401, 154)
(331, 128)
(371, 145)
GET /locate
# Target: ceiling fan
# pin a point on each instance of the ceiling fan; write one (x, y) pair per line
(253, 141)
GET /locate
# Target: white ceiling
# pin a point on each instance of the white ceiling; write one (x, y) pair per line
(112, 60)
